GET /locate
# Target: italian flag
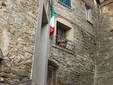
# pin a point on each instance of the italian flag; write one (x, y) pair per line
(52, 23)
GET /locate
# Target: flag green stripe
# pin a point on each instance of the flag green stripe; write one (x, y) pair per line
(52, 11)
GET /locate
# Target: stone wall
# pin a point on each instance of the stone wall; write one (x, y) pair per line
(104, 63)
(76, 68)
(17, 30)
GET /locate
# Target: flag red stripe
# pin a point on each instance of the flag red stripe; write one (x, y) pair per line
(51, 30)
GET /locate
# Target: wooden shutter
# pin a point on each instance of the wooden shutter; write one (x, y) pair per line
(66, 2)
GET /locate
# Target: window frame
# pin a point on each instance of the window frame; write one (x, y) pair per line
(88, 11)
(69, 45)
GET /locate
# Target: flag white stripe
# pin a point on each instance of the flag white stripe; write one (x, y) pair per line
(52, 21)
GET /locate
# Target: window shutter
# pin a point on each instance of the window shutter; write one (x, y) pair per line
(66, 2)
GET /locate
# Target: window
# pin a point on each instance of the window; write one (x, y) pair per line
(51, 80)
(88, 13)
(64, 33)
(61, 34)
(65, 2)
(51, 75)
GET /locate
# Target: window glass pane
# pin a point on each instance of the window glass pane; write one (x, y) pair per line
(61, 32)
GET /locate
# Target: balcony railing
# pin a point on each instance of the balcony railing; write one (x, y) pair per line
(65, 43)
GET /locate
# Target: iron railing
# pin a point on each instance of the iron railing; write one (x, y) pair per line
(65, 43)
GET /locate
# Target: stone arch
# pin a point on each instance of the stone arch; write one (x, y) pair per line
(52, 63)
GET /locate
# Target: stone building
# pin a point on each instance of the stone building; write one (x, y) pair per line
(20, 32)
(73, 45)
(104, 57)
(80, 52)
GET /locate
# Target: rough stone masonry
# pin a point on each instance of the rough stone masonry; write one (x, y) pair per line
(90, 63)
(77, 68)
(17, 32)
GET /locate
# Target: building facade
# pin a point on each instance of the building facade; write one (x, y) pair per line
(79, 53)
(73, 45)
